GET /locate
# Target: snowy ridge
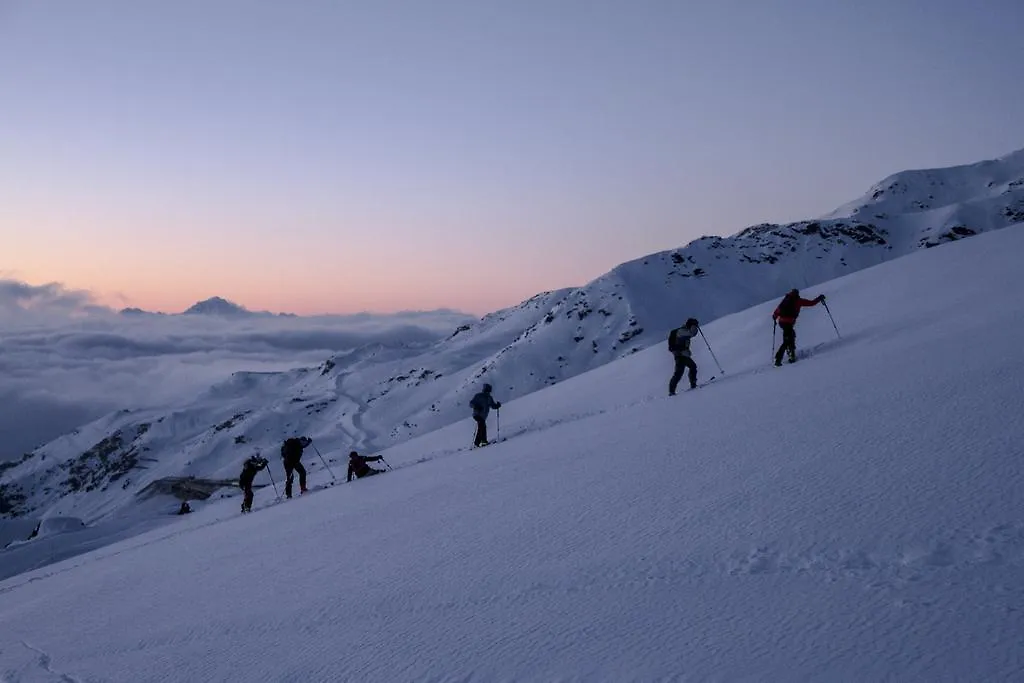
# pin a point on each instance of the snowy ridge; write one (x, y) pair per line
(634, 305)
(929, 189)
(381, 395)
(854, 516)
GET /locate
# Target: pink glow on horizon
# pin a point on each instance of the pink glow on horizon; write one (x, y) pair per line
(348, 157)
(386, 264)
(313, 305)
(169, 288)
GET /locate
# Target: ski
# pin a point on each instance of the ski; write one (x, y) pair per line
(703, 384)
(283, 499)
(490, 443)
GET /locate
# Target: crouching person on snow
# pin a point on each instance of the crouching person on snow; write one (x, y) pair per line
(249, 470)
(358, 468)
(481, 405)
(679, 345)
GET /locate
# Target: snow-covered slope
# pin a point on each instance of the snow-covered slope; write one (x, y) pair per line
(855, 516)
(381, 395)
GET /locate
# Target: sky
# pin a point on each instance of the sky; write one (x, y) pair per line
(334, 157)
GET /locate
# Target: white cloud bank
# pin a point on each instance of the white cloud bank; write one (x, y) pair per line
(65, 360)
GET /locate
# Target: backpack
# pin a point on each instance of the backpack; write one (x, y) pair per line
(788, 307)
(291, 449)
(672, 339)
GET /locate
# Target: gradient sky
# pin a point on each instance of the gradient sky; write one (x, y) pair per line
(332, 156)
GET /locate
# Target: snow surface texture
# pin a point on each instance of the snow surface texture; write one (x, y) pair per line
(854, 516)
(382, 394)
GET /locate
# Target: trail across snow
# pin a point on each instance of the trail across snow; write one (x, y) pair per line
(854, 516)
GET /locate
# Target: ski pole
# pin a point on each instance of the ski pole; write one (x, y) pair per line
(386, 464)
(276, 494)
(775, 324)
(497, 430)
(825, 304)
(712, 352)
(323, 461)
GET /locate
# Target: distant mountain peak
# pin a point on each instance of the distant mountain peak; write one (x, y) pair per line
(216, 305)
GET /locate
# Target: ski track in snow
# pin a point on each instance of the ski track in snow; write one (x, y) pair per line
(359, 435)
(905, 580)
(942, 558)
(38, 668)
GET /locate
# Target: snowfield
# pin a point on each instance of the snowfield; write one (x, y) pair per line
(410, 384)
(855, 516)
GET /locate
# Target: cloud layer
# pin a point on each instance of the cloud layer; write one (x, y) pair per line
(65, 360)
(22, 301)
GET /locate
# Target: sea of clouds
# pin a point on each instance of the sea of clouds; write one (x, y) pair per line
(64, 360)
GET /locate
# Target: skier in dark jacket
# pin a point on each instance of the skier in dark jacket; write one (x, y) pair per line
(253, 465)
(679, 345)
(482, 404)
(185, 508)
(358, 468)
(291, 454)
(785, 315)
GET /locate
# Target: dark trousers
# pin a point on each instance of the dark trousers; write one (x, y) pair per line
(289, 469)
(683, 363)
(481, 431)
(788, 343)
(364, 471)
(247, 500)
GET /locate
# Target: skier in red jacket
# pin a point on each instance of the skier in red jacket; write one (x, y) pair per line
(785, 315)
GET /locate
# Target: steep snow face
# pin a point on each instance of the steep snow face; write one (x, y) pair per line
(855, 516)
(997, 181)
(384, 394)
(636, 304)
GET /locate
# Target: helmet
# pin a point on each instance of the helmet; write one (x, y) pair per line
(795, 291)
(487, 388)
(691, 322)
(353, 454)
